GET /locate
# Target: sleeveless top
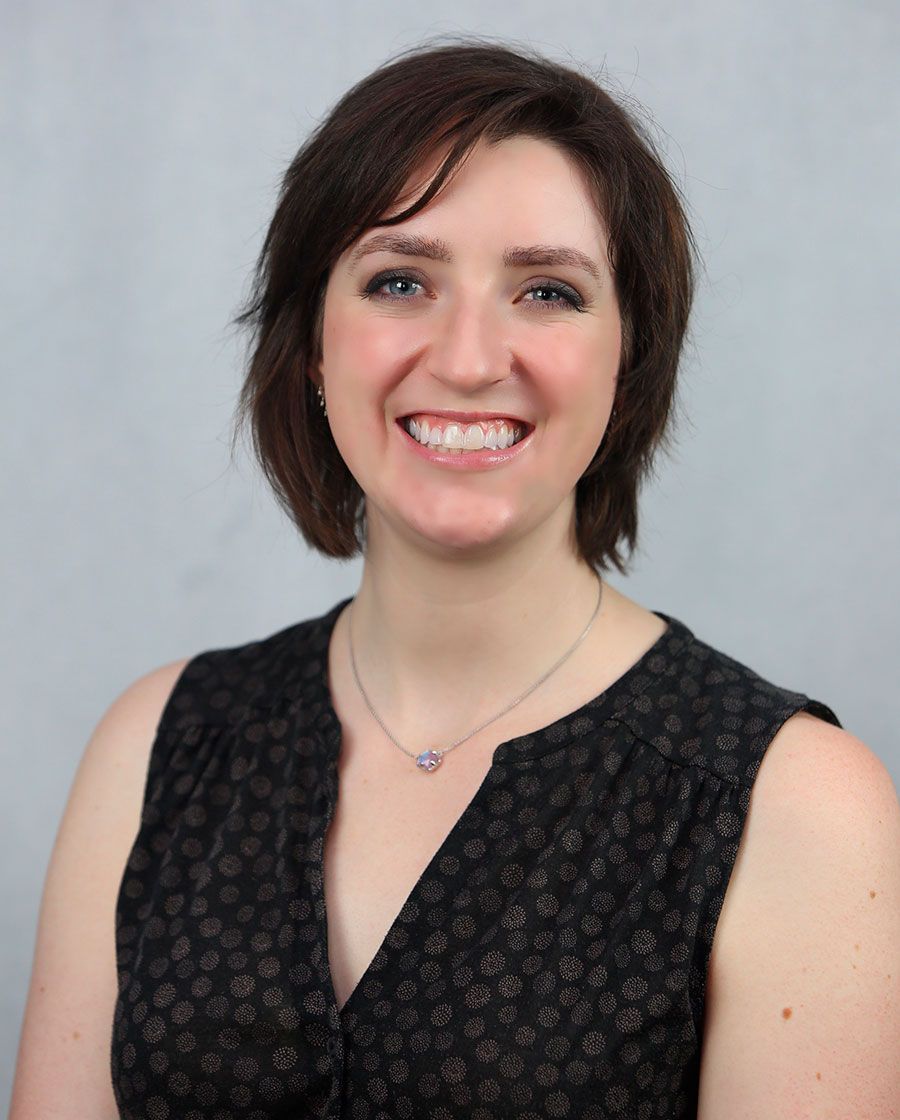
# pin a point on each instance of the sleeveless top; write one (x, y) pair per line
(550, 961)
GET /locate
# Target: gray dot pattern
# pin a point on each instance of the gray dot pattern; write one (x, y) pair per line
(550, 961)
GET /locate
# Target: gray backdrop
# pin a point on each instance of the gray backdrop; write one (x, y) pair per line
(143, 146)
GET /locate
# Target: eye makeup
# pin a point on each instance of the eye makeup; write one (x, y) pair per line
(571, 299)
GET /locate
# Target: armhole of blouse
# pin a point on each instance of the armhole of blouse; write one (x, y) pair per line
(794, 702)
(816, 708)
(173, 717)
(172, 725)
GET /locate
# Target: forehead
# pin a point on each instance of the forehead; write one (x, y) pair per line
(522, 191)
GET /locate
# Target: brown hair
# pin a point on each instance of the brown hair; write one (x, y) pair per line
(346, 176)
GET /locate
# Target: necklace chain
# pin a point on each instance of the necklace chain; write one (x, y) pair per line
(430, 759)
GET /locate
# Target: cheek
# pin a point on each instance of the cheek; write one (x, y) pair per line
(581, 375)
(366, 344)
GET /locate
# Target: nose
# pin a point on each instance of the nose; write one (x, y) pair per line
(468, 348)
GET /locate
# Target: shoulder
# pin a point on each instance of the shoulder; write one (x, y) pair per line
(823, 819)
(821, 799)
(220, 685)
(115, 760)
(803, 979)
(817, 775)
(107, 788)
(106, 794)
(140, 704)
(701, 707)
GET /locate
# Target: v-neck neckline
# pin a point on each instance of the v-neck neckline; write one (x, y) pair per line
(412, 897)
(553, 737)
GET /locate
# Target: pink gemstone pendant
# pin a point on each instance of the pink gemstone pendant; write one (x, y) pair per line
(428, 761)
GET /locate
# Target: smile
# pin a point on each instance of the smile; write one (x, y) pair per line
(459, 457)
(451, 436)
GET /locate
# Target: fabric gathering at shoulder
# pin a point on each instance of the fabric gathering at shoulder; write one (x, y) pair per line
(698, 706)
(221, 685)
(216, 689)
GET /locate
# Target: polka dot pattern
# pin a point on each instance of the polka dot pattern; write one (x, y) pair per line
(550, 961)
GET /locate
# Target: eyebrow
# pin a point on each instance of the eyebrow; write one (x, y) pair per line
(433, 248)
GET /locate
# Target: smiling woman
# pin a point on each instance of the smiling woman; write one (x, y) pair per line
(631, 892)
(594, 222)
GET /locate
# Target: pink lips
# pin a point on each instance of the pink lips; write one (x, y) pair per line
(468, 460)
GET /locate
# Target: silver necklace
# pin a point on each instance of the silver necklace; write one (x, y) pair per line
(429, 760)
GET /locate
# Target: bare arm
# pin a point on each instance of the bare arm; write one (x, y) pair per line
(63, 1066)
(803, 1002)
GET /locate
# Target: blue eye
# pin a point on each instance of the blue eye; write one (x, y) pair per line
(570, 298)
(374, 286)
(569, 295)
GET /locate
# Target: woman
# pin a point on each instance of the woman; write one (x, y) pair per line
(543, 888)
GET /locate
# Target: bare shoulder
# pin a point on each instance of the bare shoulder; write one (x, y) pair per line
(813, 757)
(803, 990)
(62, 1068)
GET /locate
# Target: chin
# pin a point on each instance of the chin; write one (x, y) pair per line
(462, 539)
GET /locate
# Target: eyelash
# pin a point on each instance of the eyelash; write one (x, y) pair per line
(571, 297)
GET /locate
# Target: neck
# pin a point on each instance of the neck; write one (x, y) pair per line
(449, 643)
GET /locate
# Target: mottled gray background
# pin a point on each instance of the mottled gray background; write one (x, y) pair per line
(142, 148)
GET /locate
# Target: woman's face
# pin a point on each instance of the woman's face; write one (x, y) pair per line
(473, 319)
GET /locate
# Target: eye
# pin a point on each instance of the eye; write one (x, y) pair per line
(374, 286)
(569, 295)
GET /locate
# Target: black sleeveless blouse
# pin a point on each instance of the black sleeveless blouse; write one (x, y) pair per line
(550, 961)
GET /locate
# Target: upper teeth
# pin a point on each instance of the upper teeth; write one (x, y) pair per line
(464, 437)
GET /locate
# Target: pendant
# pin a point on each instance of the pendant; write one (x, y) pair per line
(428, 761)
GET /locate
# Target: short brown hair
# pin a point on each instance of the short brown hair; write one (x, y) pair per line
(346, 176)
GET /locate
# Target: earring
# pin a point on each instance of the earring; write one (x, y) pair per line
(322, 399)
